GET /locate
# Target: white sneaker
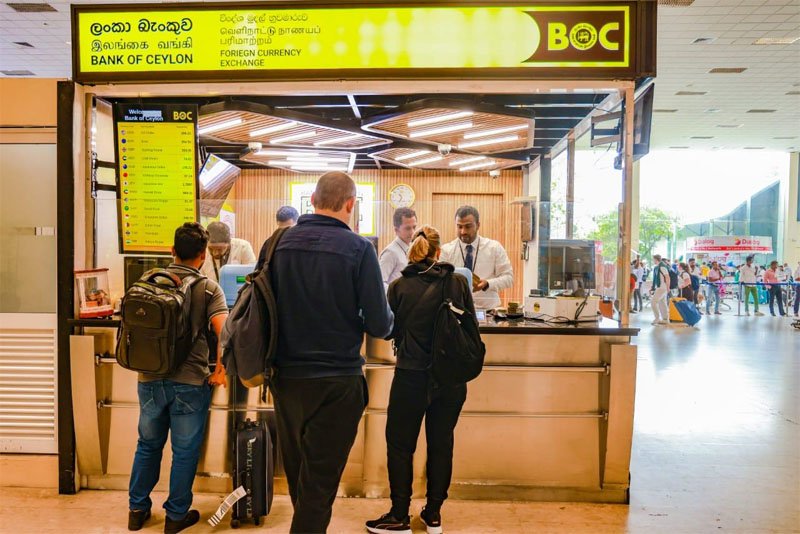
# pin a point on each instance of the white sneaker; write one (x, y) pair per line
(758, 314)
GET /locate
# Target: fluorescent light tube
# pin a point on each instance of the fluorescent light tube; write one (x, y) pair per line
(273, 129)
(293, 137)
(286, 153)
(342, 139)
(295, 159)
(496, 131)
(221, 126)
(440, 118)
(412, 155)
(316, 168)
(477, 166)
(492, 141)
(467, 161)
(441, 130)
(423, 161)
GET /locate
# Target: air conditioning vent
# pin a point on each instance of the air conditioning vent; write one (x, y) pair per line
(665, 110)
(754, 148)
(727, 70)
(691, 93)
(675, 3)
(761, 110)
(39, 7)
(17, 73)
(26, 44)
(701, 137)
(704, 40)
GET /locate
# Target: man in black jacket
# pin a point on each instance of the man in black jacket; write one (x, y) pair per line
(329, 291)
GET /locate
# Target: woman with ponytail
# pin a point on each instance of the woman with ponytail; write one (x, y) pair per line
(415, 298)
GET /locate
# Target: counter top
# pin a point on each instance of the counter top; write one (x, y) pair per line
(606, 327)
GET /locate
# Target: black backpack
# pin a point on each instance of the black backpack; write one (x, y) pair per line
(457, 349)
(673, 279)
(250, 335)
(157, 331)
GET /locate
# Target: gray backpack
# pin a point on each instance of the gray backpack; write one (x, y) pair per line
(250, 335)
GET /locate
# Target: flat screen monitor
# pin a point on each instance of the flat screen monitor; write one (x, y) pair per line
(570, 264)
(136, 266)
(642, 124)
(216, 181)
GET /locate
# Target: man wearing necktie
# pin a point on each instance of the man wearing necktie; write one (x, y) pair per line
(485, 257)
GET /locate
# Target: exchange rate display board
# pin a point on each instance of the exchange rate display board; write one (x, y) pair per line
(156, 150)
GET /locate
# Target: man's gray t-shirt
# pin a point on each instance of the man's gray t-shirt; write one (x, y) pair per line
(209, 296)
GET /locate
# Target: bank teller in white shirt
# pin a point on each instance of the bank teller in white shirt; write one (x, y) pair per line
(485, 257)
(224, 249)
(394, 257)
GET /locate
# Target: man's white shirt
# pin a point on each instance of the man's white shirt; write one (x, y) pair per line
(241, 253)
(393, 260)
(490, 262)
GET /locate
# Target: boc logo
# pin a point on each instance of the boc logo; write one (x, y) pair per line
(182, 116)
(582, 36)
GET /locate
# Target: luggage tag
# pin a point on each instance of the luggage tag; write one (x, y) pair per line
(226, 505)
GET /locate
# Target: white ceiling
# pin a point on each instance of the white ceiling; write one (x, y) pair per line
(772, 71)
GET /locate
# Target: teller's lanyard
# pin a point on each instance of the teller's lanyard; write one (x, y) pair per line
(475, 260)
(404, 251)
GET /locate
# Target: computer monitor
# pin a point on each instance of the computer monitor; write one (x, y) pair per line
(570, 264)
(136, 266)
(217, 178)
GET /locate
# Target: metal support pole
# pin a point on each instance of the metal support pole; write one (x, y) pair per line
(570, 183)
(624, 255)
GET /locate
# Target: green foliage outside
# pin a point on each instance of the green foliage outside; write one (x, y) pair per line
(654, 225)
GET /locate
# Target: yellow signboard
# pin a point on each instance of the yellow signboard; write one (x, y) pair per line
(203, 41)
(156, 169)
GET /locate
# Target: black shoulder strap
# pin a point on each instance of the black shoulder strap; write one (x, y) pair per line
(274, 240)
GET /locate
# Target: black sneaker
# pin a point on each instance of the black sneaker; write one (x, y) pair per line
(432, 520)
(137, 519)
(173, 527)
(388, 524)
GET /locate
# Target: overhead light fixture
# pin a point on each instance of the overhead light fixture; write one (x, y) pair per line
(496, 131)
(412, 155)
(441, 130)
(467, 161)
(273, 129)
(423, 161)
(286, 153)
(220, 126)
(321, 168)
(477, 166)
(493, 141)
(776, 40)
(342, 139)
(295, 159)
(352, 163)
(293, 137)
(440, 118)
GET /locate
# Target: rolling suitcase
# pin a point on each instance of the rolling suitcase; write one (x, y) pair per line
(688, 312)
(674, 314)
(253, 470)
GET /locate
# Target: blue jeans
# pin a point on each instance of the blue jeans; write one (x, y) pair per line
(181, 410)
(713, 291)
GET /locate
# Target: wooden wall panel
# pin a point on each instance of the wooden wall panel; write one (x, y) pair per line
(258, 194)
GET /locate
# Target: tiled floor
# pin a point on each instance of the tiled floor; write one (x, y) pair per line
(716, 449)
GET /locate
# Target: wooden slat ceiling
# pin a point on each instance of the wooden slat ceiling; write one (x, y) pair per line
(323, 137)
(434, 161)
(518, 130)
